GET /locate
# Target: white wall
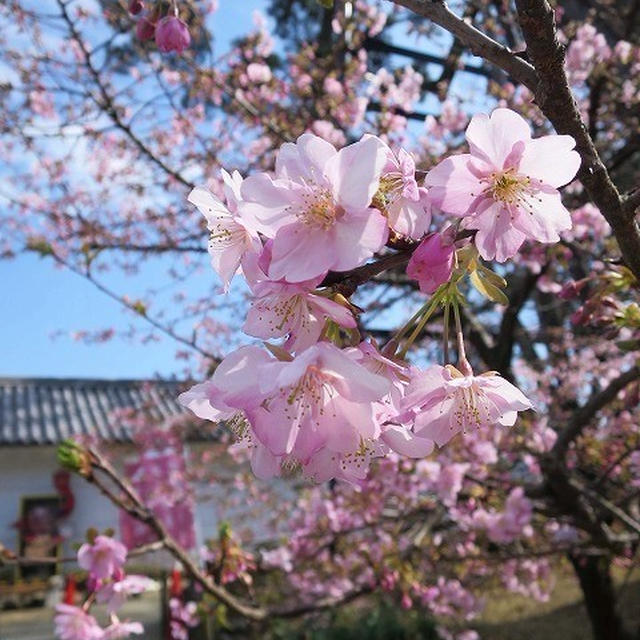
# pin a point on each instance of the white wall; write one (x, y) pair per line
(29, 471)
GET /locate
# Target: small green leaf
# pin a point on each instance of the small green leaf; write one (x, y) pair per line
(221, 616)
(492, 277)
(628, 345)
(487, 289)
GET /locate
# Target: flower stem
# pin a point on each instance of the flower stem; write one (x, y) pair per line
(426, 314)
(445, 333)
(463, 363)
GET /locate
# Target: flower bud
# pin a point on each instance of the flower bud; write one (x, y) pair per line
(135, 7)
(172, 34)
(431, 263)
(74, 457)
(145, 29)
(569, 290)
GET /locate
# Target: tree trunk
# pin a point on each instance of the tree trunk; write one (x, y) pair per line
(594, 575)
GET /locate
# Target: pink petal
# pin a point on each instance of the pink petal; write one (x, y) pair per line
(354, 173)
(492, 138)
(551, 160)
(267, 202)
(497, 238)
(453, 187)
(263, 463)
(338, 313)
(305, 160)
(401, 440)
(300, 253)
(356, 238)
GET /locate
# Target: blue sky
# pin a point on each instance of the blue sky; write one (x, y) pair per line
(37, 300)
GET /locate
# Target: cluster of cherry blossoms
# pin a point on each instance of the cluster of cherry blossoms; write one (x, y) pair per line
(323, 400)
(103, 558)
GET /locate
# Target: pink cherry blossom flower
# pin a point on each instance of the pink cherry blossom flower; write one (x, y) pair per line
(135, 7)
(431, 263)
(322, 398)
(507, 186)
(397, 437)
(258, 72)
(102, 558)
(183, 617)
(117, 630)
(115, 593)
(232, 236)
(278, 558)
(72, 623)
(318, 207)
(445, 402)
(281, 309)
(172, 34)
(406, 204)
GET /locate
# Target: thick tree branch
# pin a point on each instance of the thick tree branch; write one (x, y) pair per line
(556, 100)
(479, 43)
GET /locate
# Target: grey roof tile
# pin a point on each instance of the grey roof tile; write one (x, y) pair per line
(47, 410)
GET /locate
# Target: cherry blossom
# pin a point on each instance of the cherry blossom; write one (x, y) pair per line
(117, 630)
(284, 309)
(115, 593)
(506, 187)
(232, 235)
(172, 34)
(103, 557)
(431, 263)
(405, 204)
(444, 402)
(72, 623)
(318, 209)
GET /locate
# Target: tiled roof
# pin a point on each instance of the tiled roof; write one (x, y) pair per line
(48, 410)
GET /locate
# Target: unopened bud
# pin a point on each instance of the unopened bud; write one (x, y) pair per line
(135, 7)
(172, 34)
(74, 457)
(145, 29)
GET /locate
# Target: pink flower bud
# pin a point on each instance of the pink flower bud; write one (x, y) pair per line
(431, 263)
(93, 584)
(145, 29)
(135, 7)
(569, 290)
(172, 34)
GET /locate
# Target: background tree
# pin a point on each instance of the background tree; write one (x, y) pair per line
(103, 137)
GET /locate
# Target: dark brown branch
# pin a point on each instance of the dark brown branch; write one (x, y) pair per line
(347, 282)
(556, 100)
(479, 43)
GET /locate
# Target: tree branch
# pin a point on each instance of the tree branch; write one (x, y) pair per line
(108, 104)
(479, 43)
(556, 100)
(587, 412)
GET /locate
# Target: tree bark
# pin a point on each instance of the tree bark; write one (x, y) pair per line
(594, 575)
